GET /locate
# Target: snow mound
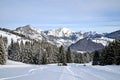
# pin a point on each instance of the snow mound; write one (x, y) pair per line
(14, 64)
(10, 62)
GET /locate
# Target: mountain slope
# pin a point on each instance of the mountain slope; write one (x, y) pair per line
(14, 36)
(86, 45)
(114, 35)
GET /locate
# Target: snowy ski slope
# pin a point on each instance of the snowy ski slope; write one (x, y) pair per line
(53, 72)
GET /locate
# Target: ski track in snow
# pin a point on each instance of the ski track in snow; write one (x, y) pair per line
(92, 74)
(74, 73)
(67, 74)
(97, 72)
(30, 72)
(71, 72)
(108, 69)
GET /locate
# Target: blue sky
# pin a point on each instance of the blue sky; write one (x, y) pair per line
(78, 15)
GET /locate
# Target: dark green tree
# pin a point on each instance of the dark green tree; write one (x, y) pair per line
(96, 58)
(62, 56)
(116, 49)
(111, 54)
(68, 56)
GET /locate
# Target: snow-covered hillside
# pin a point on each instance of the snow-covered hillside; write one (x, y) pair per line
(12, 36)
(103, 40)
(30, 31)
(53, 72)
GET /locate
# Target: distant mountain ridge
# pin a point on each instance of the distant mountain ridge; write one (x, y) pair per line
(60, 36)
(114, 35)
(66, 37)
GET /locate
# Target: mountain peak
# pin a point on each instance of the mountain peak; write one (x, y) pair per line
(60, 32)
(64, 29)
(29, 26)
(28, 29)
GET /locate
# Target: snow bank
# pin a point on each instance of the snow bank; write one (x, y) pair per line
(12, 64)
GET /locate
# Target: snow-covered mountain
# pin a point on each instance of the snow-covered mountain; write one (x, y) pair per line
(66, 37)
(60, 32)
(60, 36)
(30, 31)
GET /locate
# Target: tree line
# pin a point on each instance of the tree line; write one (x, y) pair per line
(110, 55)
(34, 52)
(3, 49)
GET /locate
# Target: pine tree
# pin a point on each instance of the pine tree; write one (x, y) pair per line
(28, 54)
(62, 56)
(44, 58)
(21, 50)
(14, 51)
(68, 56)
(111, 54)
(96, 58)
(117, 52)
(5, 41)
(2, 52)
(10, 48)
(78, 58)
(102, 57)
(16, 56)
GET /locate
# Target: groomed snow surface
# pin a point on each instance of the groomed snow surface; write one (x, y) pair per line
(19, 71)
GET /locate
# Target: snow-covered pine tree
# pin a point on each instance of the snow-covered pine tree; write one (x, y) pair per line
(16, 52)
(22, 46)
(28, 55)
(78, 57)
(44, 58)
(5, 41)
(2, 52)
(36, 52)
